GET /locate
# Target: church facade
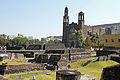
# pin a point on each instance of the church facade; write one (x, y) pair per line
(68, 29)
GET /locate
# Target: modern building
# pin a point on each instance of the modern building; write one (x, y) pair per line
(112, 40)
(54, 38)
(68, 29)
(11, 36)
(115, 26)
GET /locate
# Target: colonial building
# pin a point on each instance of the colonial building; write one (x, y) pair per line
(68, 29)
(112, 40)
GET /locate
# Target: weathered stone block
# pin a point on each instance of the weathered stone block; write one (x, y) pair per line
(111, 73)
(68, 75)
(87, 77)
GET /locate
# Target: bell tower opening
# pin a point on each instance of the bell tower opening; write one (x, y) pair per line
(72, 44)
(81, 19)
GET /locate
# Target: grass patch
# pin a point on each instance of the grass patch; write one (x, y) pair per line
(13, 62)
(52, 76)
(80, 63)
(24, 73)
(95, 68)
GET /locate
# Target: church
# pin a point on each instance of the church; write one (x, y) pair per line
(68, 29)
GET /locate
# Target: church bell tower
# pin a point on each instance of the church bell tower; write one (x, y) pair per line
(66, 17)
(65, 25)
(81, 19)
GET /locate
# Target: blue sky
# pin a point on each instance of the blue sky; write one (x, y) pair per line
(42, 18)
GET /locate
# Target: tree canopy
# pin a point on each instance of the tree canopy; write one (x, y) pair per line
(78, 34)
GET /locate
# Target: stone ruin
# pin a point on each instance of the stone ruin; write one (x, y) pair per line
(72, 75)
(68, 75)
(15, 48)
(58, 55)
(105, 55)
(54, 57)
(111, 73)
(10, 69)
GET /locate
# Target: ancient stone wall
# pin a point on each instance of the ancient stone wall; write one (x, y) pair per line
(115, 58)
(73, 75)
(104, 53)
(10, 69)
(29, 55)
(41, 58)
(3, 78)
(14, 56)
(15, 48)
(111, 73)
(34, 47)
(54, 51)
(102, 58)
(54, 47)
(62, 57)
(76, 50)
(76, 57)
(68, 75)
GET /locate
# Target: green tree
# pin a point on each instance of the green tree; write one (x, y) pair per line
(93, 39)
(96, 42)
(43, 40)
(3, 36)
(57, 41)
(36, 41)
(50, 41)
(3, 41)
(78, 34)
(20, 41)
(31, 41)
(100, 44)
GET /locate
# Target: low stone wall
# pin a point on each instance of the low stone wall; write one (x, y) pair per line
(104, 53)
(15, 48)
(77, 50)
(10, 69)
(103, 58)
(87, 77)
(14, 56)
(29, 55)
(41, 58)
(111, 73)
(68, 75)
(73, 75)
(62, 64)
(62, 57)
(76, 57)
(54, 51)
(3, 78)
(34, 47)
(54, 47)
(114, 57)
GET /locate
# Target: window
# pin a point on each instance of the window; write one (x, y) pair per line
(118, 40)
(106, 40)
(112, 40)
